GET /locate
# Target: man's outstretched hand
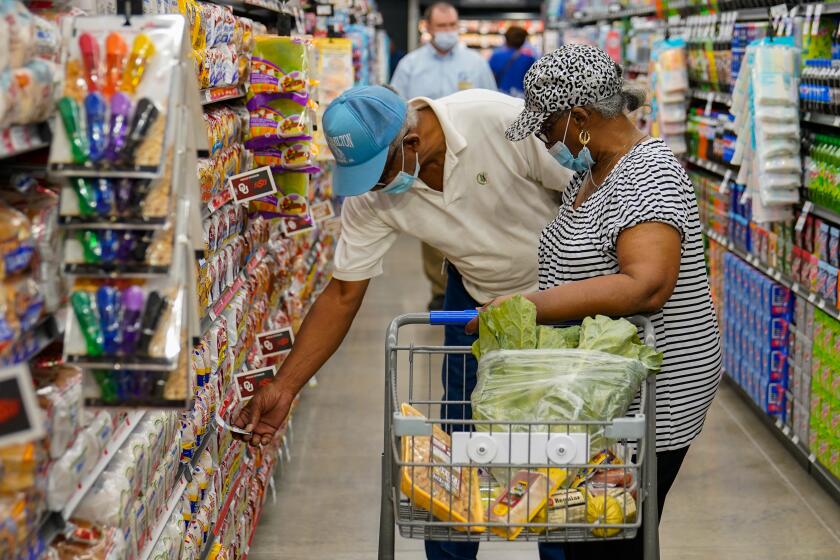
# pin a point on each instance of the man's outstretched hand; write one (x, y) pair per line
(264, 414)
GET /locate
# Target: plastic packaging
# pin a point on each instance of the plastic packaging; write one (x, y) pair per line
(555, 385)
(450, 493)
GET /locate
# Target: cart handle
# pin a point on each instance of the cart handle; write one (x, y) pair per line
(452, 317)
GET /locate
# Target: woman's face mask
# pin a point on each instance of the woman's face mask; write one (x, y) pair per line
(403, 181)
(561, 152)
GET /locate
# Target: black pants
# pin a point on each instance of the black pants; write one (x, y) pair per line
(667, 466)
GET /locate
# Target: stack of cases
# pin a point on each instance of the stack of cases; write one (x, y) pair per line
(824, 435)
(757, 317)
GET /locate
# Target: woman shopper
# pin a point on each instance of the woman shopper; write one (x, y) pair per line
(626, 241)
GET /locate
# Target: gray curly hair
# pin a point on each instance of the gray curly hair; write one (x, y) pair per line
(630, 98)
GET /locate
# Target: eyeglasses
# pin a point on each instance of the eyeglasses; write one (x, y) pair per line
(547, 125)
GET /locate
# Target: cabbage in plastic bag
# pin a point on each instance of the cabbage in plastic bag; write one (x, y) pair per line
(555, 385)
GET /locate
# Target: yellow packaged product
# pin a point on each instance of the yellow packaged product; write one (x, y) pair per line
(523, 499)
(613, 506)
(435, 488)
(567, 505)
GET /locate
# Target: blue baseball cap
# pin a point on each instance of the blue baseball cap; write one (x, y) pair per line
(359, 126)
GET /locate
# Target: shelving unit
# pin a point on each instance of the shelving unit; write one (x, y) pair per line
(791, 443)
(117, 439)
(20, 139)
(171, 505)
(775, 274)
(711, 166)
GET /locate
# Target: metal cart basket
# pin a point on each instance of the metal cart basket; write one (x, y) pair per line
(452, 466)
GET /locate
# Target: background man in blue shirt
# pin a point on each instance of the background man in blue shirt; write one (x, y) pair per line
(511, 62)
(439, 68)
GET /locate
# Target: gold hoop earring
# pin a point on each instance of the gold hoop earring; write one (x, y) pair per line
(584, 137)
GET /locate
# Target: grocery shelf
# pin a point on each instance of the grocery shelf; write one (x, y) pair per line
(821, 118)
(208, 547)
(615, 13)
(791, 442)
(715, 96)
(185, 470)
(776, 275)
(825, 213)
(19, 139)
(217, 307)
(120, 435)
(223, 93)
(711, 166)
(217, 202)
(171, 505)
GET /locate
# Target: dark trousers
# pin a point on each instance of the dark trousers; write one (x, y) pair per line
(459, 379)
(668, 464)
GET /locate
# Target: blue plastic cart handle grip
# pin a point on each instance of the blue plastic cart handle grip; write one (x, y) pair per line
(452, 317)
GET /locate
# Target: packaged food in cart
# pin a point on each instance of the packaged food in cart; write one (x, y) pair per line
(450, 493)
(525, 496)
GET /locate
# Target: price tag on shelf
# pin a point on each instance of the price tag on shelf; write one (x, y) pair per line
(806, 26)
(812, 297)
(803, 216)
(745, 196)
(252, 184)
(815, 27)
(248, 382)
(276, 342)
(724, 184)
(20, 417)
(710, 97)
(795, 439)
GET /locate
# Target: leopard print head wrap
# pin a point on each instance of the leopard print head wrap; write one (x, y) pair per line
(571, 76)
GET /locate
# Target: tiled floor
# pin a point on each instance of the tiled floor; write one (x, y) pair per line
(739, 496)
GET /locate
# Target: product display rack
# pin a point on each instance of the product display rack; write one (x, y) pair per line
(711, 99)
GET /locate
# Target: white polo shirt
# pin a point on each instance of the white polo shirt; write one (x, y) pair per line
(497, 197)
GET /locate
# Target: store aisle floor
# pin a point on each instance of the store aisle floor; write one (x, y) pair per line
(740, 495)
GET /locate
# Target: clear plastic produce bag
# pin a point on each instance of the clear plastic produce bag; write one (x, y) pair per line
(555, 385)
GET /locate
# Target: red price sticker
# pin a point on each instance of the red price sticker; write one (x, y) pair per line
(248, 382)
(256, 183)
(276, 342)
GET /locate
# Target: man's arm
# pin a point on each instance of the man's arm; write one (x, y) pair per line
(321, 334)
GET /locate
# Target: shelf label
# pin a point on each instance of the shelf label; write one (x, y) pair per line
(803, 216)
(220, 200)
(812, 297)
(709, 100)
(724, 184)
(252, 184)
(248, 382)
(20, 417)
(276, 342)
(815, 27)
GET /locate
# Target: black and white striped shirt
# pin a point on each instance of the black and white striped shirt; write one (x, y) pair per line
(647, 185)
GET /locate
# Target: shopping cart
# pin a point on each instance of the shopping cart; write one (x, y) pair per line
(531, 451)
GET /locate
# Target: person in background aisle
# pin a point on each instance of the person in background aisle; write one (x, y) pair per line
(439, 68)
(626, 241)
(511, 62)
(442, 171)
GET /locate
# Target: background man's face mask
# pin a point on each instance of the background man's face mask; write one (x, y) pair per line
(561, 152)
(446, 40)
